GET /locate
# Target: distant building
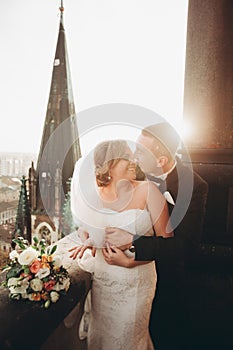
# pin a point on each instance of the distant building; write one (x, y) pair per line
(5, 238)
(7, 224)
(9, 195)
(15, 164)
(8, 212)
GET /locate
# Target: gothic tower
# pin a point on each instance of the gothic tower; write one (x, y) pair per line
(23, 217)
(59, 149)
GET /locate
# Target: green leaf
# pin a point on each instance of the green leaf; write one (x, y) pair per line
(20, 243)
(14, 296)
(4, 284)
(14, 271)
(53, 249)
(42, 251)
(5, 267)
(35, 239)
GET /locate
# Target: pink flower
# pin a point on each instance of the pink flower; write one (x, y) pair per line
(35, 266)
(49, 285)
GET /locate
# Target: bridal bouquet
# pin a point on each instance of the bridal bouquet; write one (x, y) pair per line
(36, 273)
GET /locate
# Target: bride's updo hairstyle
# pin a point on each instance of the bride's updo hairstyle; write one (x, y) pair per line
(106, 155)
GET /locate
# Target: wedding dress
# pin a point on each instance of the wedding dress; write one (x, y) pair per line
(121, 298)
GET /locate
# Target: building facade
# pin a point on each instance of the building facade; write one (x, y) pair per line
(15, 164)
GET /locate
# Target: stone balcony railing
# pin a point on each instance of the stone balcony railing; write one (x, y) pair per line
(26, 325)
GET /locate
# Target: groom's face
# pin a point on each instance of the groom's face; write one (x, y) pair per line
(145, 155)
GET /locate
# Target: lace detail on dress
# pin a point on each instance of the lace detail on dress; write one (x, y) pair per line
(122, 297)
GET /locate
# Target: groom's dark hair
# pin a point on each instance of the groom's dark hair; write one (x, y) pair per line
(166, 136)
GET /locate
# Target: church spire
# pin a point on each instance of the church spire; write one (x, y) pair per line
(60, 143)
(61, 8)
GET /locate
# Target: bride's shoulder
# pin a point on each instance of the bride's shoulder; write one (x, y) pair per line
(137, 183)
(141, 185)
(145, 186)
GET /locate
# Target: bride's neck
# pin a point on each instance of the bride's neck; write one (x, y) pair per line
(116, 191)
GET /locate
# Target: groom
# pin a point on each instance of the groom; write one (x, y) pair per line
(156, 155)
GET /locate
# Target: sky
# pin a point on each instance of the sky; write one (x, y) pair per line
(120, 51)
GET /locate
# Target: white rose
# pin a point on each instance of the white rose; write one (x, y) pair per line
(15, 296)
(57, 261)
(36, 284)
(13, 255)
(30, 297)
(17, 285)
(44, 272)
(25, 295)
(64, 285)
(54, 296)
(28, 256)
(13, 281)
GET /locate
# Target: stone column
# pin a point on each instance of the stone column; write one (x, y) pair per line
(208, 109)
(208, 93)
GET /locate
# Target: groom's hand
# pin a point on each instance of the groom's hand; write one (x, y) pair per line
(118, 238)
(115, 256)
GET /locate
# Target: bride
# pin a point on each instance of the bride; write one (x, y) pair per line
(121, 296)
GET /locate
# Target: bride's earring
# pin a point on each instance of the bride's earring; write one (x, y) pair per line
(109, 177)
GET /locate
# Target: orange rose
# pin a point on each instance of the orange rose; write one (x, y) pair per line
(49, 285)
(44, 258)
(44, 265)
(45, 296)
(36, 296)
(50, 258)
(35, 266)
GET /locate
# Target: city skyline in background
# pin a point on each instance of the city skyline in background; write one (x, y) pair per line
(110, 60)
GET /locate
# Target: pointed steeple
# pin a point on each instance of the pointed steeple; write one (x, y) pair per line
(61, 8)
(60, 143)
(23, 217)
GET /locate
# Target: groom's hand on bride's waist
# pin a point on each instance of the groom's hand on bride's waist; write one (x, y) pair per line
(118, 238)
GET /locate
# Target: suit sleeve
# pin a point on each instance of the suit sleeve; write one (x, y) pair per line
(187, 235)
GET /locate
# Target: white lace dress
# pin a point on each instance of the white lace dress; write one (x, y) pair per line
(121, 298)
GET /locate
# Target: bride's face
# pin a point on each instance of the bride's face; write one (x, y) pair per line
(125, 169)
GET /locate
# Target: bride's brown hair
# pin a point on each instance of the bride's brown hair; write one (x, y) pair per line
(106, 155)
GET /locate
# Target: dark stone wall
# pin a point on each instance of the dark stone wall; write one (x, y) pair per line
(208, 93)
(208, 111)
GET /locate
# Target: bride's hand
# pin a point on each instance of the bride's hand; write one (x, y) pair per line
(115, 256)
(79, 250)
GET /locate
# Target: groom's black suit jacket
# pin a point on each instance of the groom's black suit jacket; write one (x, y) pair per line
(176, 251)
(170, 321)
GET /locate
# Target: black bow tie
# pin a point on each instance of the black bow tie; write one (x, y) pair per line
(161, 183)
